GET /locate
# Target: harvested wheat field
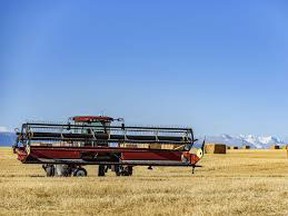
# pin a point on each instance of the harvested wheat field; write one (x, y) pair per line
(242, 182)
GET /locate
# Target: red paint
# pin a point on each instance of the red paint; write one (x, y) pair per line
(21, 154)
(92, 118)
(126, 153)
(192, 158)
(152, 155)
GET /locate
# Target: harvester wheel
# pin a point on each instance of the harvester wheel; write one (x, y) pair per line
(127, 171)
(80, 172)
(117, 170)
(101, 170)
(130, 170)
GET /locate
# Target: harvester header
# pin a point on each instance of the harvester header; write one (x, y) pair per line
(100, 140)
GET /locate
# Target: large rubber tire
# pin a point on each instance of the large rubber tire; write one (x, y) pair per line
(126, 171)
(130, 170)
(101, 170)
(117, 170)
(80, 172)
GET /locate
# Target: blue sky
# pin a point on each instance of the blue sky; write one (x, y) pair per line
(218, 66)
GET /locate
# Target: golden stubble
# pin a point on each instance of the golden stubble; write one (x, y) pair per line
(241, 182)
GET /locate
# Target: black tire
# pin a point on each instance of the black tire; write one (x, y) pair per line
(101, 170)
(130, 170)
(125, 171)
(80, 172)
(117, 170)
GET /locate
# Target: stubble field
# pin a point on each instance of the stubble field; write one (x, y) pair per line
(242, 182)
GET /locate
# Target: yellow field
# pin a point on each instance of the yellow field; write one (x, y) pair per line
(242, 182)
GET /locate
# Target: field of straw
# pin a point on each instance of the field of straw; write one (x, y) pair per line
(242, 182)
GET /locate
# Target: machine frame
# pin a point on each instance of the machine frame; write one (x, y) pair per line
(92, 140)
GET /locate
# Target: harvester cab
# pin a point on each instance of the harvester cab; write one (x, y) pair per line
(63, 149)
(102, 123)
(96, 124)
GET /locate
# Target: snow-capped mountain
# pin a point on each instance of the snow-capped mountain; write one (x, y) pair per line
(251, 140)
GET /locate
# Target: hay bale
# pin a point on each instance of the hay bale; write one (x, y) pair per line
(235, 147)
(228, 147)
(246, 147)
(214, 148)
(274, 147)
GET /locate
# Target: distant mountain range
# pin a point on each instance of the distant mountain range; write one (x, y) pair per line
(251, 140)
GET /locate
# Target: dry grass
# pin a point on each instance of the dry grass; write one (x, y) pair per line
(242, 182)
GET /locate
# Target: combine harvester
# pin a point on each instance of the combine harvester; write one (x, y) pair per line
(63, 149)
